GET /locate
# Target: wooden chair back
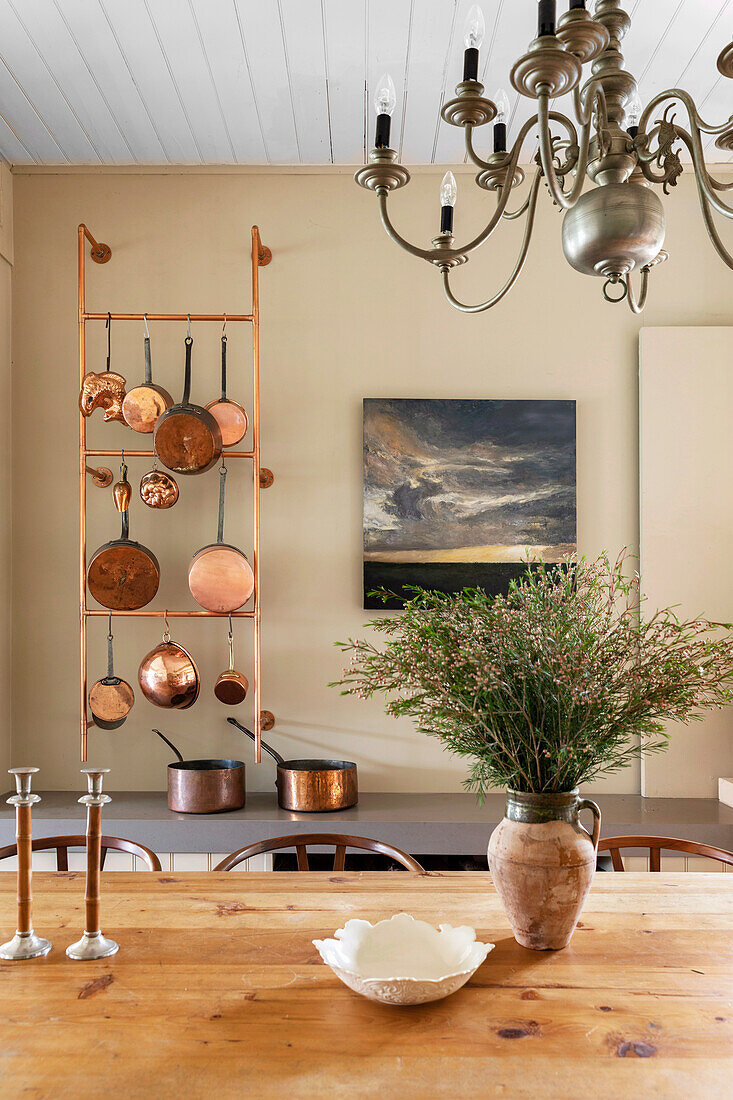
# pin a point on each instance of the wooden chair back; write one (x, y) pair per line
(301, 842)
(63, 843)
(657, 844)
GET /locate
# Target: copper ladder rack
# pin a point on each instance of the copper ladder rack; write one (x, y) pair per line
(261, 478)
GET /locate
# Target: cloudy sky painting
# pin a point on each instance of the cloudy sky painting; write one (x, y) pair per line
(460, 492)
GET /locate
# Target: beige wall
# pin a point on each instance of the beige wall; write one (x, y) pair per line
(6, 270)
(345, 314)
(686, 455)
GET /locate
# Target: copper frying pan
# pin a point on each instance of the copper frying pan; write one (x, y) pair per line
(123, 575)
(110, 699)
(144, 404)
(229, 415)
(187, 437)
(219, 576)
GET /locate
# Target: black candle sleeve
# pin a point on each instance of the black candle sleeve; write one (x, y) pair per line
(632, 131)
(470, 64)
(500, 137)
(446, 219)
(576, 4)
(381, 141)
(545, 17)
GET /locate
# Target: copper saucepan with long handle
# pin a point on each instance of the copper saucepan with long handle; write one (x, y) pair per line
(123, 575)
(110, 699)
(187, 437)
(220, 577)
(311, 786)
(204, 786)
(144, 404)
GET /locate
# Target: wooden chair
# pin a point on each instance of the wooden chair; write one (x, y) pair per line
(655, 844)
(301, 841)
(63, 843)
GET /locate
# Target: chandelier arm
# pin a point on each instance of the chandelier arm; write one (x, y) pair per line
(689, 103)
(636, 305)
(554, 116)
(422, 253)
(718, 245)
(531, 208)
(512, 215)
(705, 185)
(565, 200)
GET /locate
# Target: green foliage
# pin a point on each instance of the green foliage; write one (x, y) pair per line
(559, 681)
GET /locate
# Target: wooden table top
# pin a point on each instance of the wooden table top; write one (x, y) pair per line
(217, 990)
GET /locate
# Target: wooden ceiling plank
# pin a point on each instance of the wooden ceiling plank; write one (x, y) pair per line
(99, 49)
(427, 75)
(184, 54)
(345, 29)
(25, 121)
(48, 28)
(141, 50)
(12, 148)
(302, 24)
(25, 61)
(229, 65)
(262, 33)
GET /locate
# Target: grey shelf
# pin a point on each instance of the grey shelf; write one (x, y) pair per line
(445, 824)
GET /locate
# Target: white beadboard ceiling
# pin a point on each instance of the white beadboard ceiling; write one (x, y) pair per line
(291, 82)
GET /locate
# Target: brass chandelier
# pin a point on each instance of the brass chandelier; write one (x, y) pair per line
(616, 226)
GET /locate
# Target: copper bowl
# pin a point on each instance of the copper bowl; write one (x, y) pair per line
(169, 678)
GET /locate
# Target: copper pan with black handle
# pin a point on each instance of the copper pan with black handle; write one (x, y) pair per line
(220, 577)
(145, 404)
(204, 786)
(187, 437)
(311, 786)
(123, 575)
(229, 415)
(111, 698)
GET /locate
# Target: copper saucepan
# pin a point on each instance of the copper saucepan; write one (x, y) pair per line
(187, 437)
(312, 786)
(229, 415)
(144, 404)
(204, 786)
(110, 699)
(168, 676)
(220, 577)
(123, 575)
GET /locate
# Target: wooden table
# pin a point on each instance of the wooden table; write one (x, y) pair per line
(217, 991)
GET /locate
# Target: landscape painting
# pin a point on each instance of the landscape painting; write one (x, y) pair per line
(459, 493)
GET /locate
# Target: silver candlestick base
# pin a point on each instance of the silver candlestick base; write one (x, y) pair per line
(25, 945)
(92, 946)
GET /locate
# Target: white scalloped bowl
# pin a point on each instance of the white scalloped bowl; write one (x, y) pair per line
(403, 961)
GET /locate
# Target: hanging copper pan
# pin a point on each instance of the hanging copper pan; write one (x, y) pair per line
(219, 576)
(187, 437)
(145, 403)
(229, 415)
(123, 575)
(158, 490)
(110, 699)
(231, 686)
(168, 676)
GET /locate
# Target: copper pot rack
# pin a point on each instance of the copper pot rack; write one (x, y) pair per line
(262, 478)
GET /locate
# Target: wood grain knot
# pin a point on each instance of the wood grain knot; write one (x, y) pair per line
(529, 995)
(635, 1050)
(96, 985)
(525, 1031)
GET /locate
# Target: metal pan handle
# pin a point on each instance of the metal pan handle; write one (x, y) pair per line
(148, 364)
(169, 744)
(223, 368)
(275, 755)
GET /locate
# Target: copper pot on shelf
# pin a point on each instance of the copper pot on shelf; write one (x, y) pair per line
(311, 786)
(204, 786)
(168, 676)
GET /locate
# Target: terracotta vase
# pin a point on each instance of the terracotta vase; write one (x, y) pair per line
(542, 862)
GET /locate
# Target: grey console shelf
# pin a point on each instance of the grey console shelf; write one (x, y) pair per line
(437, 824)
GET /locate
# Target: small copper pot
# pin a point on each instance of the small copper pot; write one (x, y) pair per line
(204, 786)
(168, 676)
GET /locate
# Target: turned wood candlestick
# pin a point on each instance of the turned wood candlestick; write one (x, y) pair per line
(93, 945)
(25, 944)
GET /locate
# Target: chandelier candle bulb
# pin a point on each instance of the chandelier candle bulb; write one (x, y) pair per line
(448, 196)
(475, 29)
(385, 101)
(545, 17)
(501, 102)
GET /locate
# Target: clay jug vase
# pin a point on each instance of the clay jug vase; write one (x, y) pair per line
(542, 862)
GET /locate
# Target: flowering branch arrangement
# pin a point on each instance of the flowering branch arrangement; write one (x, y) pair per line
(543, 689)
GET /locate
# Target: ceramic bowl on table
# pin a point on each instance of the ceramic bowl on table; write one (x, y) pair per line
(403, 961)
